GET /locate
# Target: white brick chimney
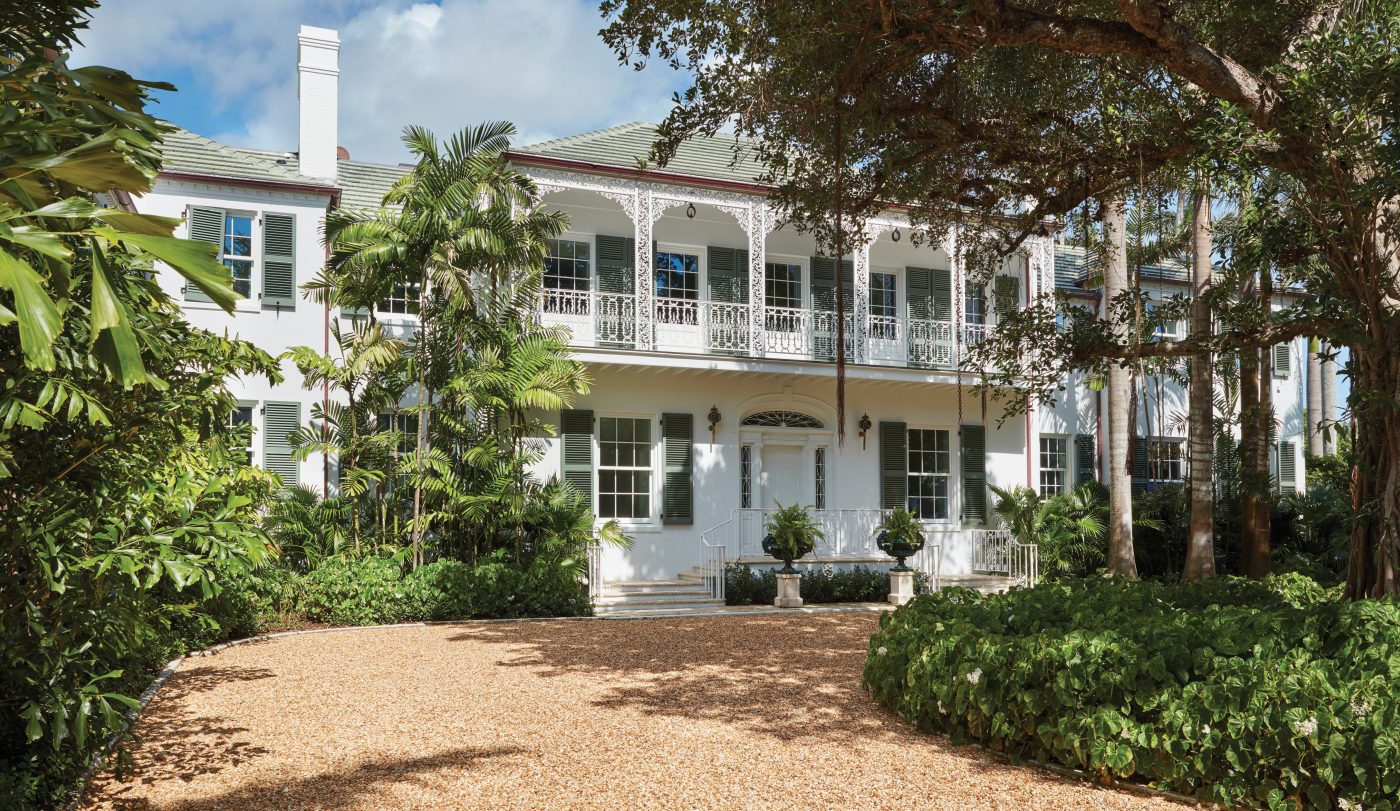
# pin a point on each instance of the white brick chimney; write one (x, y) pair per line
(318, 75)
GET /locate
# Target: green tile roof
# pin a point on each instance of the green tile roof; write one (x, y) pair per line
(716, 157)
(363, 185)
(194, 154)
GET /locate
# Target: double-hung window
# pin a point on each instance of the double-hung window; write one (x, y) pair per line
(567, 267)
(1054, 465)
(974, 312)
(624, 468)
(241, 421)
(782, 284)
(677, 287)
(403, 300)
(930, 473)
(884, 301)
(1166, 460)
(238, 251)
(406, 426)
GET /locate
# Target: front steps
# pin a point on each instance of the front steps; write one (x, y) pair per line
(687, 594)
(684, 595)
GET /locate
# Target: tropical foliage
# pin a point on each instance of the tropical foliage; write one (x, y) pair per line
(1239, 692)
(794, 532)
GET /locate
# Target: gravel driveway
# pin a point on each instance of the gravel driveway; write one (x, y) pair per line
(757, 712)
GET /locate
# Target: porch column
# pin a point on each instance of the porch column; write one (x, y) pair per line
(759, 221)
(861, 307)
(642, 222)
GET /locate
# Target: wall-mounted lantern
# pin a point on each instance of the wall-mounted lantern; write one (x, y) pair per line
(896, 236)
(864, 426)
(690, 211)
(714, 418)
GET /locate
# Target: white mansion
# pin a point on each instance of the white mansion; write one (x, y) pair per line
(709, 329)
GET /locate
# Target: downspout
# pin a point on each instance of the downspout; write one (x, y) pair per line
(326, 385)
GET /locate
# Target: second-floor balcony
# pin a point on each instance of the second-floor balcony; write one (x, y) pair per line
(697, 326)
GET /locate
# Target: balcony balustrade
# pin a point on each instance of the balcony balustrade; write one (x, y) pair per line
(609, 320)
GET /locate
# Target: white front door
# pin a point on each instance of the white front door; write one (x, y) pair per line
(781, 479)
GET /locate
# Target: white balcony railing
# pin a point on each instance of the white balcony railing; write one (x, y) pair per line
(597, 319)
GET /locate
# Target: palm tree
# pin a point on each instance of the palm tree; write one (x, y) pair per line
(1121, 559)
(456, 216)
(349, 430)
(1200, 543)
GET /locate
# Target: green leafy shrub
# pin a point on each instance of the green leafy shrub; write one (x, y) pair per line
(824, 584)
(1272, 693)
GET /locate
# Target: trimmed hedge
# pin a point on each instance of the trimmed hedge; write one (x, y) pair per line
(1244, 693)
(824, 584)
(377, 591)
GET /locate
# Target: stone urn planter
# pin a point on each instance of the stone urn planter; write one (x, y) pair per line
(791, 534)
(900, 536)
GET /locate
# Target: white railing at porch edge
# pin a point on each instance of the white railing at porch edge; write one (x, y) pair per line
(994, 551)
(595, 572)
(929, 561)
(712, 568)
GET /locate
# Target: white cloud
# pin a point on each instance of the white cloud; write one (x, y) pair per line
(538, 63)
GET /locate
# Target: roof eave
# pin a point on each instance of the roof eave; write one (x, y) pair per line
(278, 185)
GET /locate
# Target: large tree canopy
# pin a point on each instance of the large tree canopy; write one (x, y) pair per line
(1027, 110)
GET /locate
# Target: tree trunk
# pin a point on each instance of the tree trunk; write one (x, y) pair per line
(1249, 443)
(1200, 544)
(1262, 549)
(1329, 404)
(1121, 559)
(1373, 569)
(421, 360)
(1314, 401)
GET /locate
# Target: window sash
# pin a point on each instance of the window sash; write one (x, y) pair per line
(974, 304)
(782, 284)
(402, 300)
(819, 478)
(624, 467)
(567, 264)
(1054, 465)
(1166, 460)
(237, 251)
(930, 473)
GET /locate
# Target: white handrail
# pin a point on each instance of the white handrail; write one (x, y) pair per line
(595, 572)
(994, 551)
(713, 563)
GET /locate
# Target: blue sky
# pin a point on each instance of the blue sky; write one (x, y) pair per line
(444, 65)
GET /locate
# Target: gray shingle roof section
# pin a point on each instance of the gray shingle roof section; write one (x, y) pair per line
(363, 185)
(1071, 270)
(716, 157)
(194, 154)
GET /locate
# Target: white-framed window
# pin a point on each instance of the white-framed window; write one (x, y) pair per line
(884, 305)
(1169, 330)
(567, 264)
(677, 274)
(930, 473)
(402, 300)
(782, 284)
(406, 425)
(238, 250)
(745, 476)
(1166, 460)
(1054, 465)
(974, 303)
(624, 468)
(241, 421)
(819, 479)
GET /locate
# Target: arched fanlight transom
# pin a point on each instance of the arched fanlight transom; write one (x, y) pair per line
(782, 419)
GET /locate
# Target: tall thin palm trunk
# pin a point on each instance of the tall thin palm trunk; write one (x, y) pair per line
(1121, 559)
(1200, 544)
(424, 403)
(1314, 399)
(1259, 563)
(1329, 404)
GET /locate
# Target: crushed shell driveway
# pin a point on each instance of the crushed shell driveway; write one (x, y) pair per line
(739, 712)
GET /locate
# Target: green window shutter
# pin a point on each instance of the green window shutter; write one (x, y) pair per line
(206, 225)
(677, 486)
(974, 473)
(942, 287)
(576, 443)
(894, 465)
(823, 283)
(1006, 291)
(280, 421)
(617, 264)
(1287, 467)
(918, 286)
(1085, 460)
(1140, 470)
(279, 263)
(1283, 359)
(728, 271)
